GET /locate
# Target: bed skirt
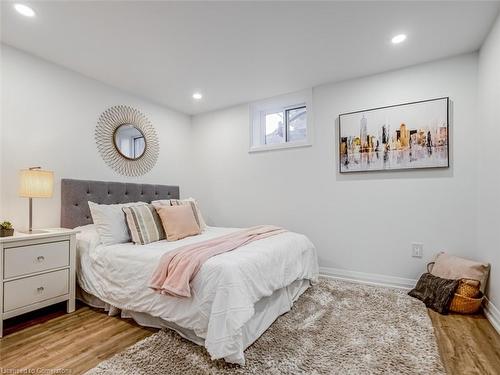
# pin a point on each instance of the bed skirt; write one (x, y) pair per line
(267, 310)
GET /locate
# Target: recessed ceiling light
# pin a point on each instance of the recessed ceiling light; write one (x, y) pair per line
(399, 38)
(197, 96)
(24, 10)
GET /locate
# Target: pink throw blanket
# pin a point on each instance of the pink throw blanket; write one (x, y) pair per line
(177, 268)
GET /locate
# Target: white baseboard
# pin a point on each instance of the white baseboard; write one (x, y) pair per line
(491, 312)
(367, 278)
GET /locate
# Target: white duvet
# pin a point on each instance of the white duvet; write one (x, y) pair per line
(224, 290)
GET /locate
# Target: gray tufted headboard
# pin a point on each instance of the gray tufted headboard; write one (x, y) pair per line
(76, 193)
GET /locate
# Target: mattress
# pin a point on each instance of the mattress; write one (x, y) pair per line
(235, 295)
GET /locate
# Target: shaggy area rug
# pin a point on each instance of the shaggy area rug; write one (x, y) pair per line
(335, 327)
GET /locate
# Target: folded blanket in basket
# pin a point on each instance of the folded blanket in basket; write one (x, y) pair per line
(435, 292)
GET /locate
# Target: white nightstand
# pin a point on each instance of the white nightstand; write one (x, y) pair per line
(37, 270)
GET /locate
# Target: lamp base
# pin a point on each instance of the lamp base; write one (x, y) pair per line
(34, 231)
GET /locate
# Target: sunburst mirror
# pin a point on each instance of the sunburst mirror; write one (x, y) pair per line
(127, 140)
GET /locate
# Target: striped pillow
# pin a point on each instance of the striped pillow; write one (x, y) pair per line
(144, 224)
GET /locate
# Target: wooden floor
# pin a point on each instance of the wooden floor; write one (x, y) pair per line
(74, 342)
(467, 344)
(79, 341)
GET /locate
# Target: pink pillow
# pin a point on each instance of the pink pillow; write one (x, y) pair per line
(178, 221)
(452, 267)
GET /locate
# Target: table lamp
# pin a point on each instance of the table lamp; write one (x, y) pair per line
(35, 183)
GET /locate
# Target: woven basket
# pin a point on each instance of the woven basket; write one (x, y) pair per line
(465, 305)
(468, 298)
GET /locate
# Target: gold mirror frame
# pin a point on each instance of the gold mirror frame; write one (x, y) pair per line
(109, 121)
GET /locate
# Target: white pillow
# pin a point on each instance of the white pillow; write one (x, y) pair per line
(191, 201)
(110, 223)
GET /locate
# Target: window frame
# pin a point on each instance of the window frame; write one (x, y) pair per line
(284, 104)
(287, 123)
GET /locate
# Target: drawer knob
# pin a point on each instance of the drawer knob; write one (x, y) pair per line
(40, 289)
(40, 258)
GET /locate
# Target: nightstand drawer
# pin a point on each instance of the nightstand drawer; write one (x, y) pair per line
(23, 260)
(30, 290)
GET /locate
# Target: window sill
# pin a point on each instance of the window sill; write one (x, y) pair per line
(282, 146)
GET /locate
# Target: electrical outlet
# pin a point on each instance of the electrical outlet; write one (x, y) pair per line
(417, 250)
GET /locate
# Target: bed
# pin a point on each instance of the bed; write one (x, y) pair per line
(236, 295)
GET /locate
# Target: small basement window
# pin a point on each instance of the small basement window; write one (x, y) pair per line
(281, 122)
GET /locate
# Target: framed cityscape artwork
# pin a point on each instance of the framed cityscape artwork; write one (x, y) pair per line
(404, 136)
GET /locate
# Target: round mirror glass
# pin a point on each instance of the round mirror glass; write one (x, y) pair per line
(129, 141)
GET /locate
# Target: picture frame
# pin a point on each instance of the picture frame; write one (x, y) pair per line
(405, 136)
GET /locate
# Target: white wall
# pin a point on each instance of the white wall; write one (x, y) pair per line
(489, 159)
(361, 222)
(48, 118)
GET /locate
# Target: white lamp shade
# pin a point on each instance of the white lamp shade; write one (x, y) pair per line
(36, 183)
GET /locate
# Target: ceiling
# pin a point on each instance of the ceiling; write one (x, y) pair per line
(236, 52)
